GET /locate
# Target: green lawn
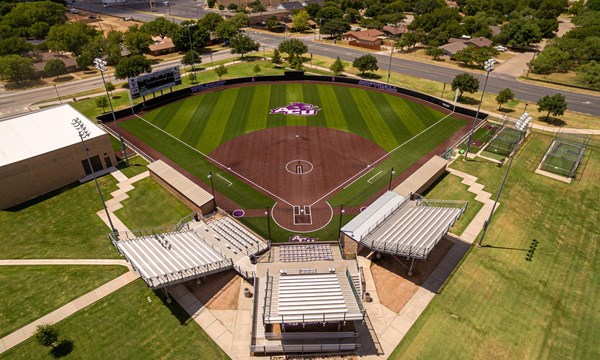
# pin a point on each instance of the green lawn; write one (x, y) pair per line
(62, 224)
(151, 205)
(137, 165)
(207, 120)
(499, 304)
(30, 292)
(449, 187)
(132, 323)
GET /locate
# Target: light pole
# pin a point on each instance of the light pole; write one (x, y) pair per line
(267, 213)
(212, 186)
(390, 64)
(342, 211)
(211, 61)
(83, 134)
(56, 89)
(188, 26)
(443, 89)
(101, 65)
(521, 125)
(320, 21)
(264, 56)
(488, 66)
(391, 177)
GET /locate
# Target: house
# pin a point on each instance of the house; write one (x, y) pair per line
(479, 42)
(395, 30)
(69, 61)
(321, 3)
(290, 6)
(451, 49)
(161, 46)
(371, 38)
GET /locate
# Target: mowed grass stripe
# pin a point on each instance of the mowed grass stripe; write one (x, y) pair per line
(372, 117)
(394, 122)
(350, 111)
(425, 114)
(294, 93)
(411, 121)
(182, 117)
(203, 110)
(312, 96)
(211, 138)
(162, 116)
(332, 111)
(239, 116)
(278, 98)
(259, 109)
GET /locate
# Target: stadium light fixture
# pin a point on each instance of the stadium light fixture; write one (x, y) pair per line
(189, 26)
(488, 66)
(84, 133)
(212, 186)
(342, 211)
(101, 65)
(521, 125)
(392, 173)
(267, 213)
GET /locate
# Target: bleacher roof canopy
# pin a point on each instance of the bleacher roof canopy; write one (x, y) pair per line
(171, 258)
(40, 132)
(361, 225)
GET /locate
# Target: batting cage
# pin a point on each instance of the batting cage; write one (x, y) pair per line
(564, 154)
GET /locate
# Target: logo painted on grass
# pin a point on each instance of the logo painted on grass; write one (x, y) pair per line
(297, 108)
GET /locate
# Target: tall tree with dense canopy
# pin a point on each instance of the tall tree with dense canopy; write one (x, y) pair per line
(55, 67)
(137, 41)
(242, 44)
(160, 27)
(72, 36)
(365, 63)
(300, 20)
(16, 68)
(132, 66)
(292, 47)
(504, 96)
(554, 104)
(465, 82)
(337, 67)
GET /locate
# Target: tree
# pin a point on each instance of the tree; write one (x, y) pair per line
(47, 335)
(14, 45)
(337, 67)
(137, 41)
(101, 102)
(475, 55)
(554, 104)
(312, 9)
(72, 36)
(504, 96)
(435, 52)
(329, 12)
(276, 59)
(257, 69)
(427, 6)
(300, 20)
(161, 27)
(16, 68)
(296, 62)
(292, 47)
(242, 44)
(271, 22)
(352, 15)
(552, 59)
(132, 66)
(365, 63)
(226, 30)
(220, 71)
(465, 82)
(191, 57)
(55, 67)
(210, 21)
(110, 87)
(520, 33)
(589, 75)
(335, 27)
(190, 32)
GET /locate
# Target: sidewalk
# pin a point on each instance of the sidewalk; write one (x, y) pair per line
(31, 262)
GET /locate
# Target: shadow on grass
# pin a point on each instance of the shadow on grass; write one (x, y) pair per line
(43, 198)
(182, 316)
(63, 78)
(468, 100)
(24, 85)
(371, 76)
(506, 111)
(552, 121)
(64, 348)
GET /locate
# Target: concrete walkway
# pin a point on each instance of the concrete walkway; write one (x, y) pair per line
(33, 262)
(66, 310)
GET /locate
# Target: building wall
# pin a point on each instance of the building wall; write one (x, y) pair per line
(30, 178)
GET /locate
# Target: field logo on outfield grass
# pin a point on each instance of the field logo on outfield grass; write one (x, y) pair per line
(297, 108)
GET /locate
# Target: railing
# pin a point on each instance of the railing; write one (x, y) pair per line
(356, 296)
(325, 349)
(267, 297)
(186, 219)
(382, 220)
(462, 204)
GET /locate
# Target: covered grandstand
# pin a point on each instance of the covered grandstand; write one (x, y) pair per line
(402, 226)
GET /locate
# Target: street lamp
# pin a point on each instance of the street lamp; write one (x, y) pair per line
(391, 177)
(488, 66)
(342, 211)
(212, 186)
(59, 100)
(390, 64)
(189, 26)
(83, 134)
(521, 125)
(101, 65)
(267, 213)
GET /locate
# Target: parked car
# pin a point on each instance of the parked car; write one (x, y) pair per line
(166, 3)
(73, 11)
(500, 48)
(129, 18)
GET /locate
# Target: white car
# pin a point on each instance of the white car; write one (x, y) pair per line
(73, 11)
(166, 3)
(500, 48)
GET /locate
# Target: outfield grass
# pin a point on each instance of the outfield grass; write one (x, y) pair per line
(131, 323)
(450, 187)
(207, 120)
(499, 305)
(151, 205)
(62, 224)
(30, 292)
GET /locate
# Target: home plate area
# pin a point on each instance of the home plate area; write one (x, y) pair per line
(302, 215)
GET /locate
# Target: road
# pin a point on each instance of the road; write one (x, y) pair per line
(12, 103)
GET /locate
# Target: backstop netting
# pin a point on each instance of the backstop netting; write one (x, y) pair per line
(564, 154)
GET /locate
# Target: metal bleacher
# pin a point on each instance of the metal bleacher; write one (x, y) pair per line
(239, 239)
(302, 253)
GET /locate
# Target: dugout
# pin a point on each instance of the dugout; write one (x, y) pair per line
(41, 152)
(183, 188)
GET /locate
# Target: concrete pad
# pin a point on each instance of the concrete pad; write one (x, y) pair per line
(205, 319)
(226, 317)
(401, 324)
(215, 330)
(390, 336)
(117, 174)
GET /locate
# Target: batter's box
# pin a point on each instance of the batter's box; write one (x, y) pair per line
(302, 215)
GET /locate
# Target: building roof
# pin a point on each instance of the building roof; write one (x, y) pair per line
(367, 220)
(419, 178)
(480, 42)
(453, 48)
(290, 5)
(69, 61)
(179, 182)
(455, 40)
(40, 132)
(321, 3)
(316, 297)
(370, 35)
(166, 259)
(161, 44)
(396, 30)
